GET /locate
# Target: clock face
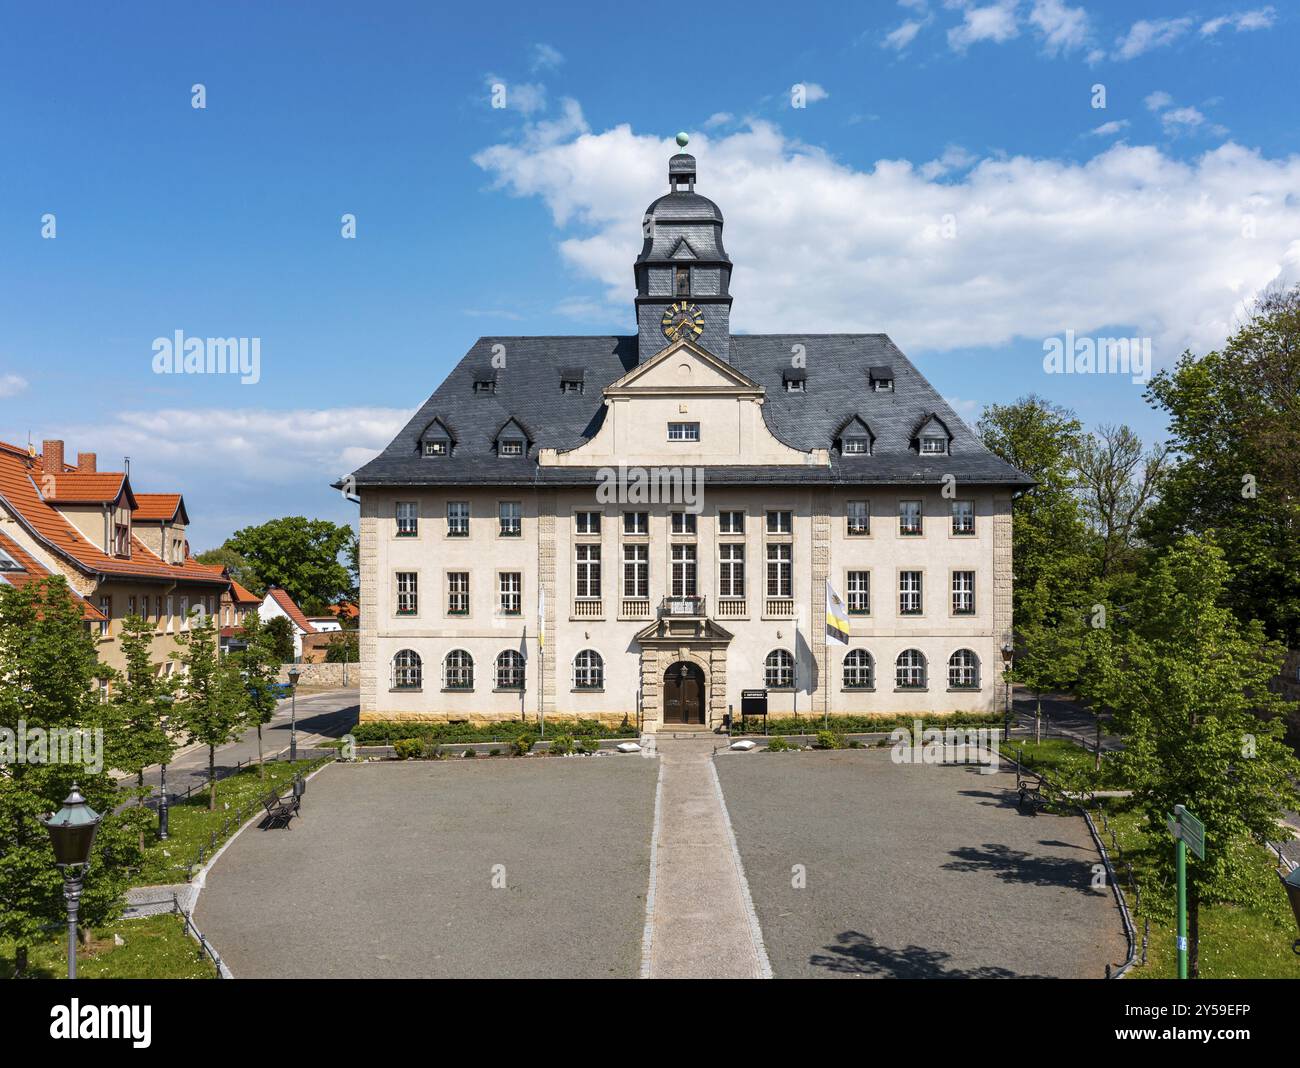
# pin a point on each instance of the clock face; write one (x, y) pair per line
(682, 320)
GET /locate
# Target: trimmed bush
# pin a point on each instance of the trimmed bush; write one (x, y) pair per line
(562, 745)
(523, 745)
(830, 740)
(408, 748)
(780, 745)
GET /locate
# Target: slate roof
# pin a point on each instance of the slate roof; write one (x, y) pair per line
(528, 389)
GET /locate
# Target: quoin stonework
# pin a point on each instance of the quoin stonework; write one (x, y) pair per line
(643, 526)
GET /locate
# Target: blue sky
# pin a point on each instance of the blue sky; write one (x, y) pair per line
(949, 182)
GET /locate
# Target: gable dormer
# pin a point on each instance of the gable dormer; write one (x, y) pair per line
(932, 436)
(853, 437)
(881, 378)
(437, 439)
(484, 380)
(512, 440)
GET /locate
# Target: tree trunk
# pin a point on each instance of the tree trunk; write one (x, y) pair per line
(1193, 934)
(1038, 719)
(212, 777)
(139, 778)
(261, 768)
(20, 961)
(1097, 762)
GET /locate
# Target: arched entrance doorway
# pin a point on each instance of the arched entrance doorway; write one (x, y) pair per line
(684, 693)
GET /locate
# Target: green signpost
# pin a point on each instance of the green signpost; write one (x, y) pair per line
(1189, 832)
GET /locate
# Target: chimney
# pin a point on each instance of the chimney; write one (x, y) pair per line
(52, 457)
(86, 462)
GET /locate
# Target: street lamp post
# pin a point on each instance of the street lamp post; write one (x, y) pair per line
(1008, 653)
(294, 676)
(72, 836)
(162, 772)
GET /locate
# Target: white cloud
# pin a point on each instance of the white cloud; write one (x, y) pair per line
(1147, 34)
(1063, 28)
(1158, 100)
(527, 98)
(903, 34)
(12, 385)
(718, 118)
(546, 57)
(1242, 21)
(812, 92)
(1130, 238)
(954, 158)
(1109, 129)
(994, 22)
(1181, 117)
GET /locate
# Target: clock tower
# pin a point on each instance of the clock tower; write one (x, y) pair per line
(683, 275)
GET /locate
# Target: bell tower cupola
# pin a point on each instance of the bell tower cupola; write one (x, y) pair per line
(683, 275)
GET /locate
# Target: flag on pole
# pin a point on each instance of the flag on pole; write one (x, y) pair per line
(837, 617)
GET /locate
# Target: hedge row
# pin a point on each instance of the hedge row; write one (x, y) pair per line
(386, 732)
(812, 723)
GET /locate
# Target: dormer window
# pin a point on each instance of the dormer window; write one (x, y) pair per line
(882, 379)
(435, 448)
(796, 380)
(682, 282)
(8, 563)
(485, 385)
(510, 447)
(934, 446)
(567, 386)
(855, 447)
(571, 379)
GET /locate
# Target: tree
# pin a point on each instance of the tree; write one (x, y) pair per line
(343, 648)
(259, 664)
(1188, 683)
(214, 705)
(1234, 418)
(278, 633)
(300, 555)
(141, 707)
(240, 569)
(1117, 481)
(47, 670)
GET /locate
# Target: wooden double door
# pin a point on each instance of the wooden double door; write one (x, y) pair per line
(684, 693)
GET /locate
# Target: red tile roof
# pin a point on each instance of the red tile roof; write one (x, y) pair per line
(20, 495)
(290, 609)
(346, 610)
(156, 507)
(33, 570)
(79, 487)
(241, 596)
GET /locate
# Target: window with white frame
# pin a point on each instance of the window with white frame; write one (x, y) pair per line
(910, 670)
(636, 571)
(963, 517)
(731, 522)
(458, 670)
(909, 518)
(587, 578)
(780, 561)
(731, 569)
(684, 571)
(435, 448)
(683, 431)
(588, 670)
(636, 523)
(963, 593)
(510, 447)
(408, 593)
(510, 586)
(510, 519)
(858, 517)
(855, 446)
(106, 608)
(586, 522)
(858, 592)
(778, 670)
(683, 523)
(780, 522)
(858, 670)
(909, 593)
(408, 519)
(933, 445)
(407, 670)
(457, 593)
(458, 519)
(964, 670)
(510, 670)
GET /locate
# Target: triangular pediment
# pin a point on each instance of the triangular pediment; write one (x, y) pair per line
(683, 250)
(666, 631)
(684, 368)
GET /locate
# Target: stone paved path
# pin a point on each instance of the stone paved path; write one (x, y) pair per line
(700, 921)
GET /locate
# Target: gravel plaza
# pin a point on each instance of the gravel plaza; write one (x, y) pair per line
(541, 867)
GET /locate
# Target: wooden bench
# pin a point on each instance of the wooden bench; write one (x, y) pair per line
(281, 809)
(1030, 788)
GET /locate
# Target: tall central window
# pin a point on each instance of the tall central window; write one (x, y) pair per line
(408, 519)
(963, 593)
(731, 570)
(859, 593)
(457, 593)
(779, 561)
(408, 599)
(682, 282)
(636, 571)
(684, 571)
(587, 582)
(510, 585)
(458, 519)
(909, 518)
(859, 519)
(510, 517)
(909, 593)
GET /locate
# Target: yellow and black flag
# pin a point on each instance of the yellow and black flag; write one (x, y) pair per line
(837, 617)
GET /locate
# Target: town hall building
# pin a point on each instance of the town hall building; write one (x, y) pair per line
(642, 527)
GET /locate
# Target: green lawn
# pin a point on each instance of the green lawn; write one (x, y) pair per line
(191, 825)
(1064, 758)
(156, 947)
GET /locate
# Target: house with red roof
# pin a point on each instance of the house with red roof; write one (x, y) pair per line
(122, 553)
(278, 603)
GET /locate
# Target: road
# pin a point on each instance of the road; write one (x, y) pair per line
(323, 715)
